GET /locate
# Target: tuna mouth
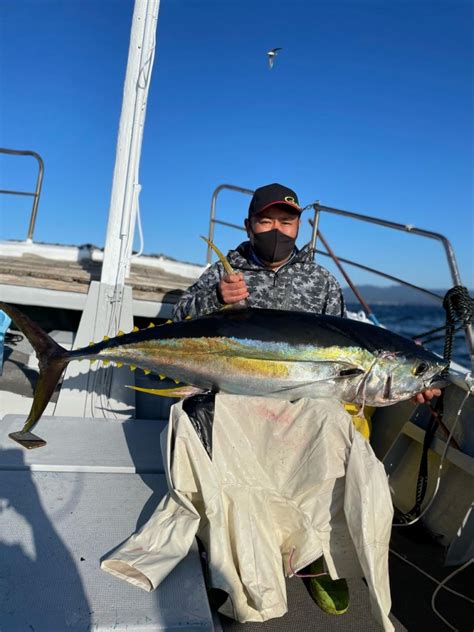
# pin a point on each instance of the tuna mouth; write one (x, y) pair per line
(438, 381)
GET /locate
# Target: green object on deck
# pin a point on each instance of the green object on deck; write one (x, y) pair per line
(332, 596)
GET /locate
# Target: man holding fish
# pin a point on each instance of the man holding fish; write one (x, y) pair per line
(270, 272)
(301, 352)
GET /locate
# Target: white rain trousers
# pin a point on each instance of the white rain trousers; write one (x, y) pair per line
(287, 482)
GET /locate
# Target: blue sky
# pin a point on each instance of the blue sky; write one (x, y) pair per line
(368, 108)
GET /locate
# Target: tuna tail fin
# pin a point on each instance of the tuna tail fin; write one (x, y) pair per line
(52, 360)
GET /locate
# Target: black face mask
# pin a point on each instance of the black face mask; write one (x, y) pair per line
(272, 245)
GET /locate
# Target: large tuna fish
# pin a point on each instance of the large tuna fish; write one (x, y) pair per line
(271, 353)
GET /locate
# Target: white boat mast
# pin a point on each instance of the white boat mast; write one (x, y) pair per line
(125, 186)
(87, 391)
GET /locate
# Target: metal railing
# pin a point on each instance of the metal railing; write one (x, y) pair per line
(39, 183)
(320, 208)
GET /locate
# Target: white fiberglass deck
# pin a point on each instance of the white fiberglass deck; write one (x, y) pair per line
(64, 507)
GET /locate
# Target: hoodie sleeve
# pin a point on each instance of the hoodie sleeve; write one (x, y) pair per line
(201, 298)
(334, 305)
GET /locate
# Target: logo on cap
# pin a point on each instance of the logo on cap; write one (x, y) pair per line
(290, 199)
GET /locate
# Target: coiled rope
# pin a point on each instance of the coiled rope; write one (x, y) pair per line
(459, 308)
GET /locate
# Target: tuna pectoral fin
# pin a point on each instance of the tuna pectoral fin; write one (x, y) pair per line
(223, 259)
(52, 359)
(243, 304)
(178, 391)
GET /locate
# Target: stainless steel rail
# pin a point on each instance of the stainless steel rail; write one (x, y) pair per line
(384, 275)
(39, 183)
(406, 228)
(213, 221)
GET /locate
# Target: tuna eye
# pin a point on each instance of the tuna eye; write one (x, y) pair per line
(420, 368)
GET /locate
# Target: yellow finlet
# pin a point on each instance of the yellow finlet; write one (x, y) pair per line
(120, 333)
(162, 377)
(132, 367)
(168, 322)
(105, 338)
(119, 364)
(151, 325)
(105, 362)
(135, 329)
(91, 343)
(227, 267)
(188, 318)
(147, 371)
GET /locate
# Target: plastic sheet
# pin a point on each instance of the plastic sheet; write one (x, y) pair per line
(285, 479)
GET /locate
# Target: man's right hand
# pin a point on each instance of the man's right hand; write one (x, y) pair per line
(232, 289)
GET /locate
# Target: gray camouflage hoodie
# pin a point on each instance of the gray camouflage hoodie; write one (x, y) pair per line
(299, 285)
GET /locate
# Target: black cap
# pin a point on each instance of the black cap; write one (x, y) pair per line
(271, 194)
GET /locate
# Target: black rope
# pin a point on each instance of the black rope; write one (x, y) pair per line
(422, 480)
(459, 308)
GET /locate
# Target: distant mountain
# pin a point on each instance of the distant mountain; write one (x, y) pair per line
(394, 294)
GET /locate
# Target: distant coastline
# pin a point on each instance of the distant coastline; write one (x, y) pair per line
(395, 295)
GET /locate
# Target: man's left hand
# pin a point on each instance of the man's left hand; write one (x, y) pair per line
(426, 396)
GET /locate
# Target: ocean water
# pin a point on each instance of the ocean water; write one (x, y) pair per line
(413, 320)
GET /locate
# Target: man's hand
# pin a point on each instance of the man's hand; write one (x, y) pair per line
(425, 396)
(232, 289)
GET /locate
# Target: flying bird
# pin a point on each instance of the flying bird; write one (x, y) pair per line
(271, 56)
